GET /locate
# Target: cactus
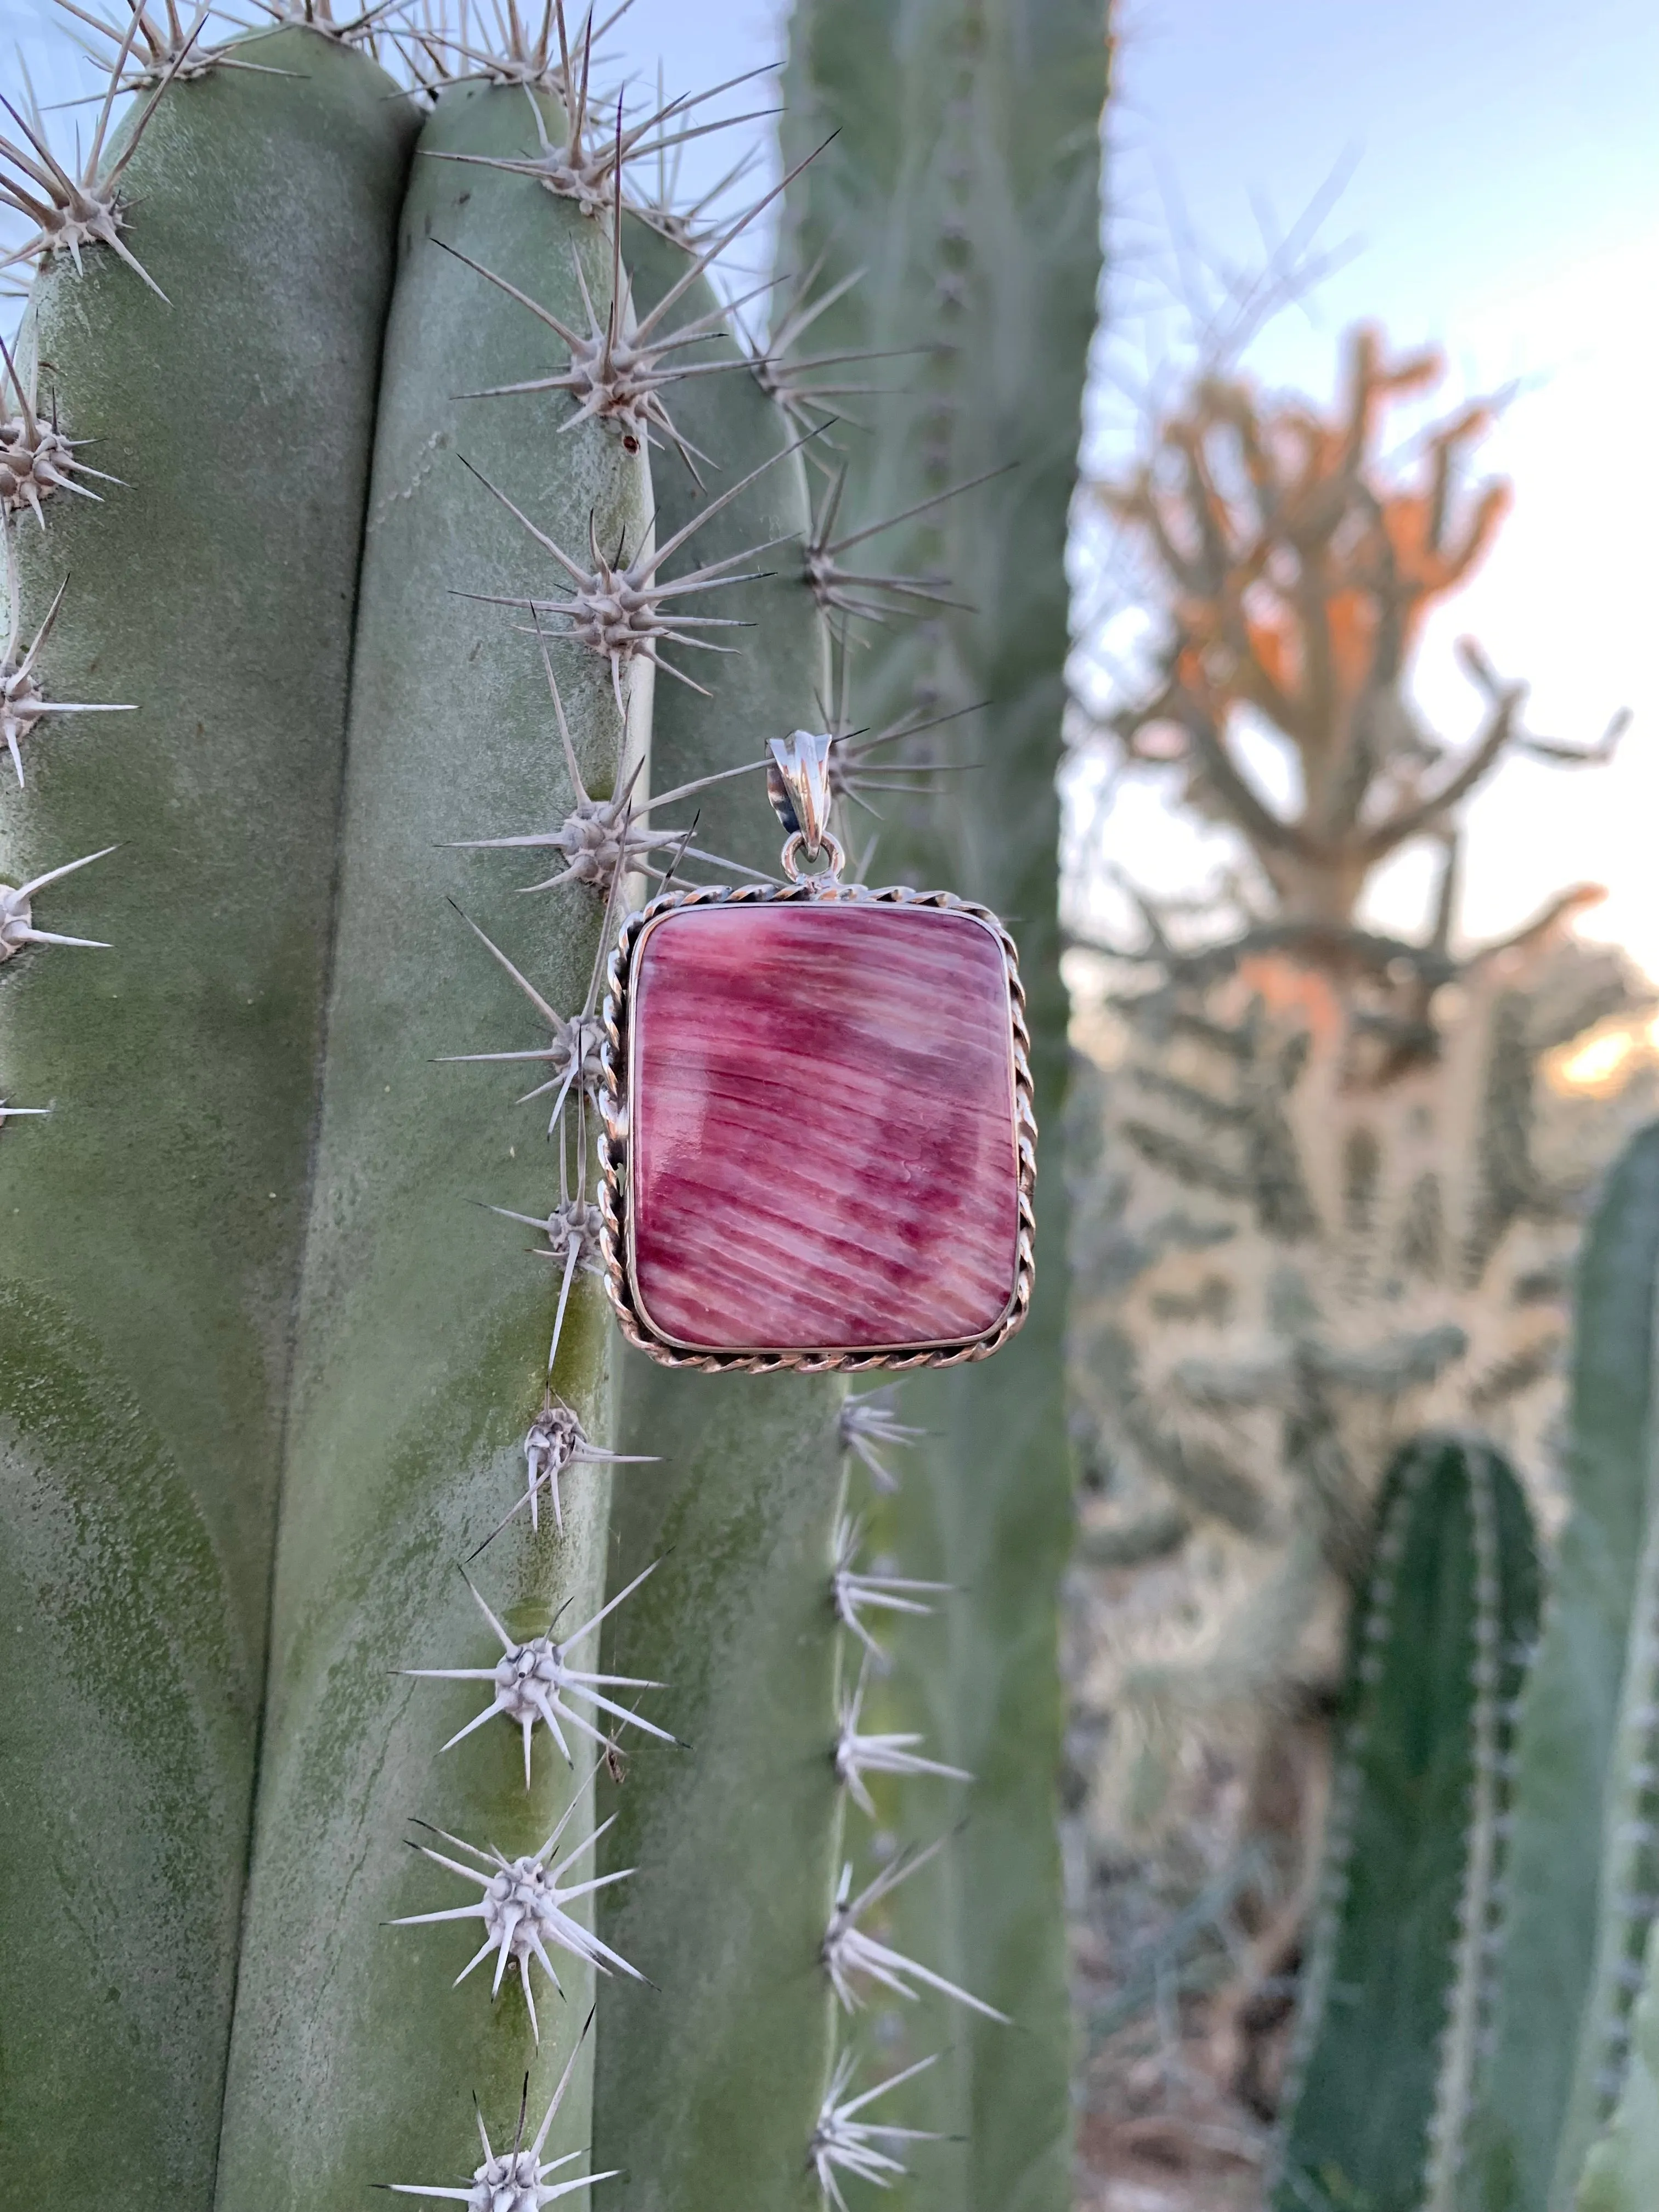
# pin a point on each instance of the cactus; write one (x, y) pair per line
(1342, 1172)
(1621, 2173)
(1378, 2090)
(1533, 1946)
(453, 734)
(964, 180)
(155, 1221)
(1293, 1278)
(540, 1633)
(1583, 1886)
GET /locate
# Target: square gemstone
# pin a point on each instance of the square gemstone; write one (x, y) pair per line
(823, 1150)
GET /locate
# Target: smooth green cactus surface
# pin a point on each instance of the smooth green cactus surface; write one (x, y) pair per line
(150, 1228)
(1394, 1986)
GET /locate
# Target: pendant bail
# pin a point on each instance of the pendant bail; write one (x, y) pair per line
(798, 785)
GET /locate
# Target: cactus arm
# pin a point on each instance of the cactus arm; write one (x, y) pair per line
(424, 1322)
(1570, 1725)
(966, 181)
(152, 1225)
(1377, 2092)
(707, 2089)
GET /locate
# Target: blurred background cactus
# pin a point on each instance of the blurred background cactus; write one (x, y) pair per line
(1337, 1185)
(1476, 2022)
(437, 518)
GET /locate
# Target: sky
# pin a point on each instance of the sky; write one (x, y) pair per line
(1503, 204)
(1501, 200)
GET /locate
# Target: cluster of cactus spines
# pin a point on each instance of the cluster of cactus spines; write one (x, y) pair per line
(36, 459)
(399, 1395)
(842, 2142)
(850, 1951)
(1379, 2087)
(868, 1419)
(23, 706)
(524, 1909)
(533, 1681)
(516, 2180)
(854, 1591)
(73, 210)
(964, 183)
(858, 1753)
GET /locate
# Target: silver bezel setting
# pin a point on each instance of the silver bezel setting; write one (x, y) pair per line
(615, 1061)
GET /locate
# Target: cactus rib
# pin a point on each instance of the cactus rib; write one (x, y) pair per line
(1377, 2092)
(1569, 1782)
(420, 1362)
(153, 1223)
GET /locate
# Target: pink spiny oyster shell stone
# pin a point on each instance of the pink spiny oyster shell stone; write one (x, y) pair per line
(825, 1145)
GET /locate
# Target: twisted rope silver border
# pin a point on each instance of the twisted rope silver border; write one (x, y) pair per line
(614, 1137)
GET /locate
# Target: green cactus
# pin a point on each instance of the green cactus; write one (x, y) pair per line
(273, 1368)
(152, 1226)
(1585, 1866)
(1539, 2090)
(1621, 2173)
(422, 1346)
(1395, 1984)
(965, 181)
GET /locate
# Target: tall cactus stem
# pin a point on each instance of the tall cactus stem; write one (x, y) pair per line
(1575, 1709)
(152, 1226)
(1628, 1901)
(1395, 1991)
(421, 1361)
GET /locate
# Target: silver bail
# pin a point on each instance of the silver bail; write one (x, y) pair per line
(798, 785)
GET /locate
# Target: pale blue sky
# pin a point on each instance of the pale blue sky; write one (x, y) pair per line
(1504, 199)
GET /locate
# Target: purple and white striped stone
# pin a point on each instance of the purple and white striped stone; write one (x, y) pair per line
(824, 1152)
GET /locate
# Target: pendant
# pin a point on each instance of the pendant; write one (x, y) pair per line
(817, 1142)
